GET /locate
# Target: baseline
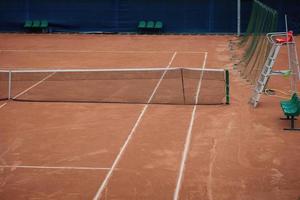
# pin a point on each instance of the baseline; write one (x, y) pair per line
(93, 51)
(52, 167)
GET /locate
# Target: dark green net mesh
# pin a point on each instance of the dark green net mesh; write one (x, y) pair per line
(252, 48)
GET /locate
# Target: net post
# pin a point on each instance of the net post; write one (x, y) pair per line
(227, 86)
(182, 85)
(238, 18)
(9, 85)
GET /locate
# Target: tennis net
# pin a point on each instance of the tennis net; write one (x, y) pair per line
(146, 85)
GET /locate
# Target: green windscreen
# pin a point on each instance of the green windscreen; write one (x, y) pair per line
(252, 47)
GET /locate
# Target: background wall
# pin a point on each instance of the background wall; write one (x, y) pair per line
(178, 16)
(289, 7)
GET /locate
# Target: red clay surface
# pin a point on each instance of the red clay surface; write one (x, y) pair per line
(65, 151)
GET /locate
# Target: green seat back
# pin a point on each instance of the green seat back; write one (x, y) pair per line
(293, 109)
(36, 23)
(142, 24)
(44, 23)
(28, 23)
(158, 25)
(298, 109)
(294, 98)
(150, 24)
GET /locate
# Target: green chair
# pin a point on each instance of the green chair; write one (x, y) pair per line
(158, 25)
(44, 25)
(28, 24)
(142, 24)
(150, 25)
(291, 110)
(36, 24)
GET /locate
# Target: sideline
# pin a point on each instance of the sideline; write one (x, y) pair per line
(188, 137)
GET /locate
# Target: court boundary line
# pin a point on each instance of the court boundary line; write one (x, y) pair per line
(188, 137)
(2, 105)
(213, 155)
(53, 167)
(105, 70)
(34, 85)
(94, 51)
(131, 133)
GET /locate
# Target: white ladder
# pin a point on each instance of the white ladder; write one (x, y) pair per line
(265, 74)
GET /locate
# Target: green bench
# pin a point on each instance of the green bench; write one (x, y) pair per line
(150, 26)
(291, 109)
(36, 25)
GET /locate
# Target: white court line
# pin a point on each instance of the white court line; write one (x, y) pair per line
(91, 51)
(116, 161)
(188, 137)
(52, 167)
(210, 175)
(57, 70)
(34, 85)
(1, 106)
(26, 90)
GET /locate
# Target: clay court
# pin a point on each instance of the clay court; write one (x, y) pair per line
(149, 100)
(142, 151)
